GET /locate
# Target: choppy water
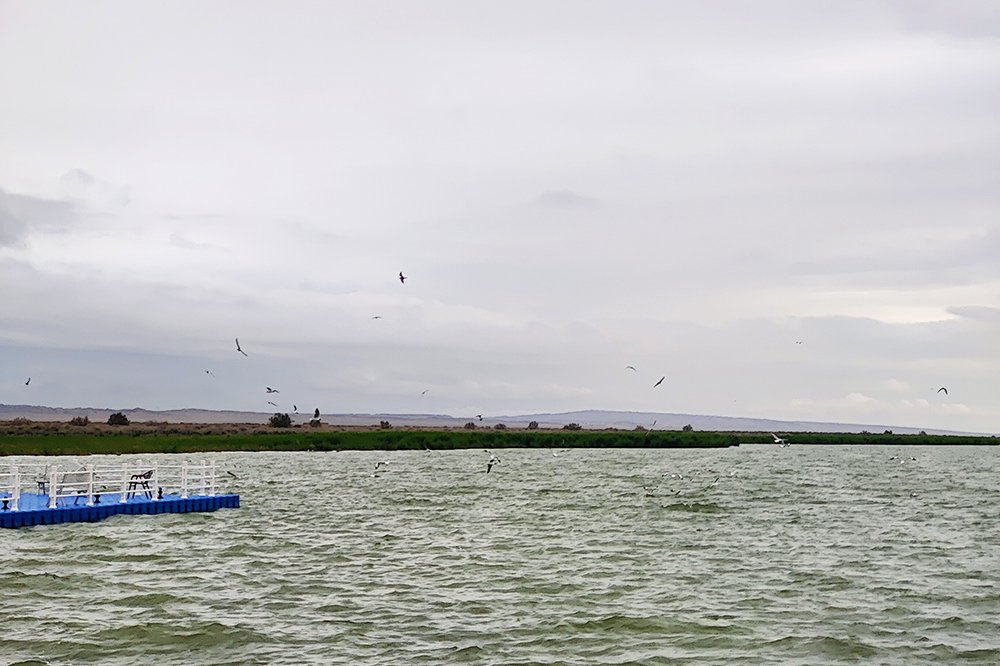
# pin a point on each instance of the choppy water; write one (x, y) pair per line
(804, 555)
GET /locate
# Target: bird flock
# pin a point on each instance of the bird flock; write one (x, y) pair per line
(402, 280)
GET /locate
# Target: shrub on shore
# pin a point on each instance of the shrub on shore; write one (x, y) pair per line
(118, 419)
(280, 421)
(79, 421)
(572, 426)
(533, 425)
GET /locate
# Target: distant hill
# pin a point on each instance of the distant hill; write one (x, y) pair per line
(591, 419)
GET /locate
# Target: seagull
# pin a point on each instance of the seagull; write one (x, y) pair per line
(231, 474)
(210, 373)
(316, 413)
(493, 461)
(272, 390)
(295, 408)
(479, 416)
(631, 367)
(27, 382)
(378, 464)
(659, 382)
(779, 440)
(943, 389)
(376, 316)
(798, 342)
(271, 403)
(238, 348)
(402, 278)
(424, 392)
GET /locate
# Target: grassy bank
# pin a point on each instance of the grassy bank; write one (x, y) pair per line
(26, 438)
(139, 441)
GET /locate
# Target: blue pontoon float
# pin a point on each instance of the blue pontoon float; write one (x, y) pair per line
(47, 495)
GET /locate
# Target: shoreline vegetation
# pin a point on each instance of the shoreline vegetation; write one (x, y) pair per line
(23, 437)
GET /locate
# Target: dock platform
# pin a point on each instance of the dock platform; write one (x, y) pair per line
(87, 494)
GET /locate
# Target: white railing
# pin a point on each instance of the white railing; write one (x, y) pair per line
(10, 488)
(128, 480)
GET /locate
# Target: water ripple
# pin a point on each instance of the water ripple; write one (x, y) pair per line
(801, 555)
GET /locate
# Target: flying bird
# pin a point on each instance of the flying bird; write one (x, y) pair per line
(422, 393)
(210, 373)
(238, 348)
(27, 382)
(492, 461)
(271, 403)
(479, 416)
(659, 382)
(295, 408)
(231, 474)
(779, 441)
(272, 390)
(376, 316)
(316, 413)
(402, 278)
(631, 367)
(943, 389)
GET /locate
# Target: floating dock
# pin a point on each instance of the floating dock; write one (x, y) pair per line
(36, 495)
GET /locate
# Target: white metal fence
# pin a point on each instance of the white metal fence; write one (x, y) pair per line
(89, 483)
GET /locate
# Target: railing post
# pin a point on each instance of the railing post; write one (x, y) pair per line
(211, 481)
(90, 485)
(53, 478)
(16, 494)
(155, 480)
(124, 488)
(184, 480)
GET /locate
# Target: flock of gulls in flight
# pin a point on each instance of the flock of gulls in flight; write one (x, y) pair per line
(494, 459)
(402, 280)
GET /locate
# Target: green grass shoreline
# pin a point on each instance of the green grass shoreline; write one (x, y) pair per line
(164, 441)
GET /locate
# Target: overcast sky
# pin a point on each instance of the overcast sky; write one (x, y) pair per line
(789, 209)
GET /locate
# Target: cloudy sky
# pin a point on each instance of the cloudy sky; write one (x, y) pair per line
(790, 209)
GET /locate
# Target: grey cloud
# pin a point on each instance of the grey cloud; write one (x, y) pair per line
(178, 240)
(969, 18)
(11, 227)
(79, 185)
(566, 199)
(19, 214)
(976, 312)
(912, 261)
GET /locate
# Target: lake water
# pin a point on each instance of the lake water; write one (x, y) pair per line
(799, 555)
